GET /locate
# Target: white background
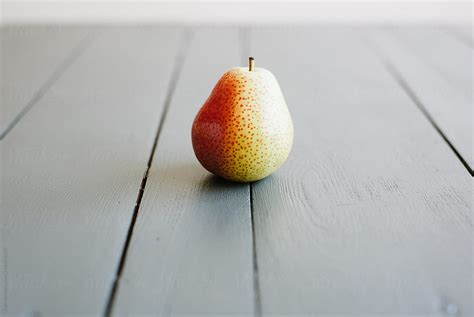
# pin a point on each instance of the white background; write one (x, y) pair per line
(232, 12)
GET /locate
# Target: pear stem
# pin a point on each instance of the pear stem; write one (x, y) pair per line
(251, 62)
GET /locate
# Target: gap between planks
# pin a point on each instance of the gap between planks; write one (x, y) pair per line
(400, 80)
(256, 284)
(75, 53)
(186, 38)
(246, 52)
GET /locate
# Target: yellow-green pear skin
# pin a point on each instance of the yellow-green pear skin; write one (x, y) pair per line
(244, 131)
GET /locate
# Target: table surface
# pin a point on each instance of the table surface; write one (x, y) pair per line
(106, 211)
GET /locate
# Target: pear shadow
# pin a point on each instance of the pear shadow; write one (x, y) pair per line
(217, 181)
(191, 176)
(212, 182)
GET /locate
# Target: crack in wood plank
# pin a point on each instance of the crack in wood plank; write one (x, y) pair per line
(244, 37)
(256, 283)
(178, 65)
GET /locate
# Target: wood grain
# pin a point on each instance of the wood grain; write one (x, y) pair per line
(30, 58)
(371, 215)
(443, 85)
(191, 252)
(72, 169)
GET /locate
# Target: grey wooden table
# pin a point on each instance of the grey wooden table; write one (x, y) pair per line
(106, 211)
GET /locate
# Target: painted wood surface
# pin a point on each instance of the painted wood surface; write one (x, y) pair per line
(463, 32)
(32, 58)
(72, 169)
(371, 215)
(191, 252)
(443, 53)
(446, 102)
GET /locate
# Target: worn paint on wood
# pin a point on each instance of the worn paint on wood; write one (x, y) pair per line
(370, 215)
(372, 212)
(191, 252)
(72, 169)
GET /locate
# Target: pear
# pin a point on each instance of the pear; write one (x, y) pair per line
(244, 131)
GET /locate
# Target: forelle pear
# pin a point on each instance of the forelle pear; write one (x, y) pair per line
(244, 131)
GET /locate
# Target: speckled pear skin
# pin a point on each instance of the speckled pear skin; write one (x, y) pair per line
(244, 131)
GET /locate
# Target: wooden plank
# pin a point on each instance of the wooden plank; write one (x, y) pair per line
(463, 32)
(447, 105)
(3, 249)
(450, 58)
(191, 252)
(30, 58)
(72, 170)
(371, 215)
